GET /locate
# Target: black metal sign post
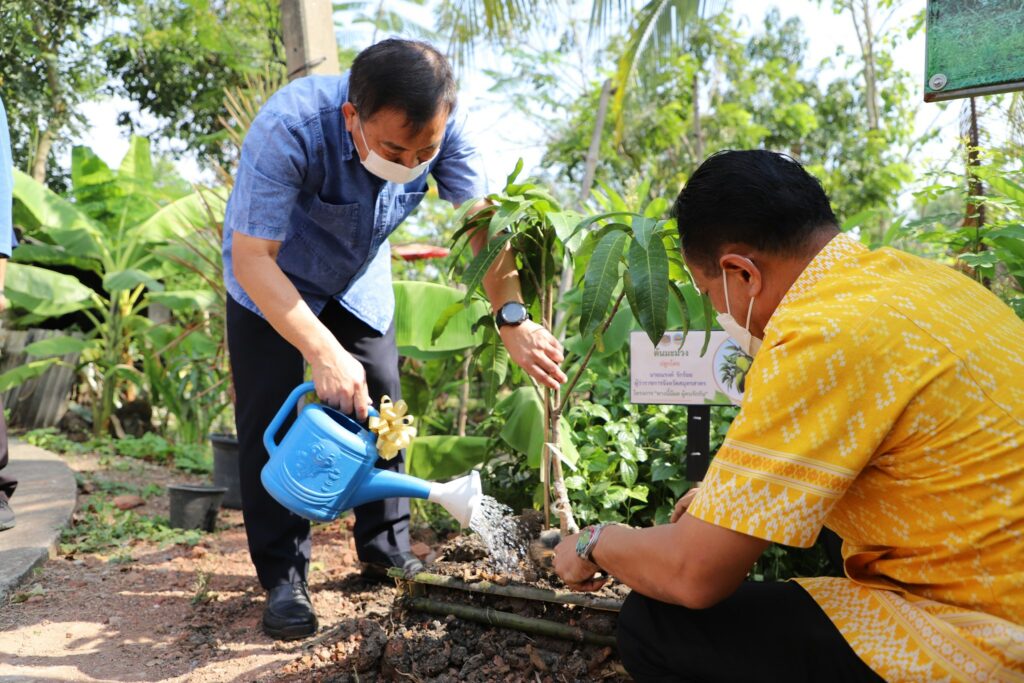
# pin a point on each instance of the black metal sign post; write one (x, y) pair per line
(698, 441)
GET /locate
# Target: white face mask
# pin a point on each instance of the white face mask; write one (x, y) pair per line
(747, 342)
(389, 170)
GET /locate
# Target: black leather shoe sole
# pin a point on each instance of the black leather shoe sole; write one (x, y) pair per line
(290, 631)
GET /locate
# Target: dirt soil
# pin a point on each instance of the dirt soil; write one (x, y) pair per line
(181, 613)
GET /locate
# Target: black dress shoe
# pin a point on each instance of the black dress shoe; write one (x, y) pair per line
(378, 571)
(289, 614)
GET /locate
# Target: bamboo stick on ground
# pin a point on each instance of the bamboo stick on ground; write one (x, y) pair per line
(523, 592)
(493, 617)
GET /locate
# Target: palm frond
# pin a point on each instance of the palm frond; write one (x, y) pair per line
(659, 23)
(468, 22)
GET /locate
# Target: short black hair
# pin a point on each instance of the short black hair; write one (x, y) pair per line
(755, 197)
(408, 75)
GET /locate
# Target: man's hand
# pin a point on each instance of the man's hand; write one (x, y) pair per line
(684, 503)
(341, 382)
(536, 351)
(577, 573)
(4, 302)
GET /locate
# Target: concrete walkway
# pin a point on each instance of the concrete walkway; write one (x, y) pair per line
(42, 506)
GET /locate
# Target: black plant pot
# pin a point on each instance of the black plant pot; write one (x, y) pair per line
(194, 506)
(225, 469)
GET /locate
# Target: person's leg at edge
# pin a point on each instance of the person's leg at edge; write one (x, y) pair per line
(382, 527)
(7, 483)
(265, 369)
(764, 632)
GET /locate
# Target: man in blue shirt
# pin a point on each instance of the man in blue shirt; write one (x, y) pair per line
(330, 167)
(7, 484)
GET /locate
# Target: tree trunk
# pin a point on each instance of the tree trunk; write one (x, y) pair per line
(42, 154)
(866, 38)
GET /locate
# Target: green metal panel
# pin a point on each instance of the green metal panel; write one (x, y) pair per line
(974, 47)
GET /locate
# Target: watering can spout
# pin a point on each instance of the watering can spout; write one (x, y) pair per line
(459, 496)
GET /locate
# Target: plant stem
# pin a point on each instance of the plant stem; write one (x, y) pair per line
(590, 352)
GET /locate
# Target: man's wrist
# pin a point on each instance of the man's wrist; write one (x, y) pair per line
(587, 541)
(511, 314)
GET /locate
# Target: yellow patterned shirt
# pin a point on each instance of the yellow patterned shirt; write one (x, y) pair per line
(887, 402)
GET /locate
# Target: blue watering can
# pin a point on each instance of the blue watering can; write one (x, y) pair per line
(324, 465)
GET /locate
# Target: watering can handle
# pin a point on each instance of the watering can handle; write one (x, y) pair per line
(286, 409)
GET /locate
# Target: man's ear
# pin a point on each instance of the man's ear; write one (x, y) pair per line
(740, 269)
(348, 110)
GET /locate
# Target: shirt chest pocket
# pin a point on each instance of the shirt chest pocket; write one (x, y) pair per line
(338, 225)
(326, 248)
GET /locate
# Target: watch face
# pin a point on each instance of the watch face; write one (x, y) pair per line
(513, 313)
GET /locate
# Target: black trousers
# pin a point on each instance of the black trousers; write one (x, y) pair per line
(763, 632)
(7, 484)
(266, 368)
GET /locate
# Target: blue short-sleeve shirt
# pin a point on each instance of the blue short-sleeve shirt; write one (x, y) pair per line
(7, 239)
(300, 182)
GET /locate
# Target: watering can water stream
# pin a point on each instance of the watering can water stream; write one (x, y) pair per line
(324, 465)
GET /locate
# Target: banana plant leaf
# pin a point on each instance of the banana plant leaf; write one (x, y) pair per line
(417, 307)
(436, 458)
(524, 427)
(45, 292)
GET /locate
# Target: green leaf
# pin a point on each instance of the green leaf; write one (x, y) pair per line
(1004, 186)
(443, 319)
(643, 229)
(184, 216)
(416, 302)
(186, 299)
(508, 214)
(684, 309)
(649, 270)
(23, 373)
(53, 255)
(584, 224)
(137, 164)
(481, 263)
(564, 224)
(46, 293)
(709, 315)
(46, 209)
(493, 363)
(638, 493)
(129, 279)
(523, 430)
(434, 458)
(600, 280)
(662, 470)
(88, 170)
(515, 173)
(57, 346)
(628, 470)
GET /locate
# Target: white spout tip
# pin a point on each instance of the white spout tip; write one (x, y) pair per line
(460, 497)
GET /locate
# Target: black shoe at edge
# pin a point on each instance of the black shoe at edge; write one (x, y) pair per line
(289, 613)
(6, 513)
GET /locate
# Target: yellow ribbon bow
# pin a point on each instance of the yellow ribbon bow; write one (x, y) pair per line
(393, 428)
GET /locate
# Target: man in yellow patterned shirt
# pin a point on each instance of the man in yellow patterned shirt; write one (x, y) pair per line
(886, 402)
